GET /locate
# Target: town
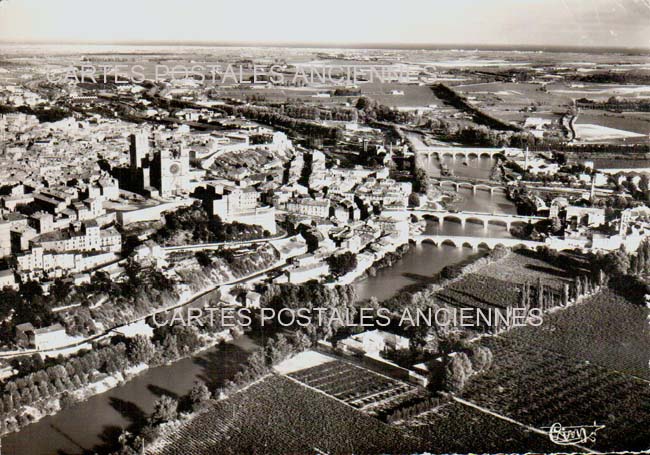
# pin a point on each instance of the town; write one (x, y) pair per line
(125, 204)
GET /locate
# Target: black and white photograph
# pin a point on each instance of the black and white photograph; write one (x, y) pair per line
(349, 227)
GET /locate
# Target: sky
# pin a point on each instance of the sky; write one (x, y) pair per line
(596, 23)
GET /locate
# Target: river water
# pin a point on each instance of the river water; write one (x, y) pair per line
(422, 261)
(88, 425)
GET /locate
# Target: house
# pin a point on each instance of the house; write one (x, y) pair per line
(44, 338)
(253, 300)
(50, 337)
(8, 279)
(373, 342)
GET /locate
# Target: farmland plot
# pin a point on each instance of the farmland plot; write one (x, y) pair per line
(361, 388)
(278, 416)
(539, 388)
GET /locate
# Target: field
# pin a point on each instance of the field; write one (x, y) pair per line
(599, 92)
(638, 122)
(620, 163)
(477, 291)
(454, 428)
(499, 284)
(539, 388)
(510, 101)
(414, 95)
(280, 416)
(599, 133)
(361, 388)
(594, 125)
(524, 266)
(607, 330)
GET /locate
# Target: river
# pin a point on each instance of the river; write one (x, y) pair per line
(89, 424)
(423, 260)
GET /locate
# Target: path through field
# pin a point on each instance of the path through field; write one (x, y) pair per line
(515, 422)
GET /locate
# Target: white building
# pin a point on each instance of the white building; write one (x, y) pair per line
(242, 205)
(373, 342)
(90, 238)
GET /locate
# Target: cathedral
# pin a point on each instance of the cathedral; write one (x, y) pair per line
(163, 172)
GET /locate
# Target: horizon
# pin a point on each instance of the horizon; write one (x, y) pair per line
(464, 23)
(342, 45)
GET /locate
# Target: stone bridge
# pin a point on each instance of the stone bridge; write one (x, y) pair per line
(474, 243)
(474, 186)
(454, 152)
(503, 219)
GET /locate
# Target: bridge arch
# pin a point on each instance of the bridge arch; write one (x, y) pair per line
(454, 218)
(483, 246)
(476, 220)
(448, 242)
(499, 222)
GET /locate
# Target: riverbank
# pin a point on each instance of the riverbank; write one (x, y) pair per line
(34, 412)
(366, 261)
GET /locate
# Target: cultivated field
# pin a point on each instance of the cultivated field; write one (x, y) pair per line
(607, 329)
(363, 389)
(478, 291)
(594, 125)
(277, 415)
(539, 388)
(525, 266)
(453, 428)
(414, 95)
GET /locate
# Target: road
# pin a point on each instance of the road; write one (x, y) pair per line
(218, 245)
(109, 332)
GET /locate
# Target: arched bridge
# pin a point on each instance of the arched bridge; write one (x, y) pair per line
(474, 186)
(474, 242)
(463, 152)
(503, 219)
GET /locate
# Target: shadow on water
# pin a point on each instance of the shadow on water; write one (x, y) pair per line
(420, 279)
(129, 410)
(111, 433)
(160, 391)
(220, 364)
(67, 437)
(109, 437)
(93, 426)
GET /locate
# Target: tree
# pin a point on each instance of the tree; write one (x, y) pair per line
(481, 358)
(203, 259)
(617, 263)
(198, 396)
(140, 349)
(414, 200)
(458, 369)
(342, 263)
(165, 409)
